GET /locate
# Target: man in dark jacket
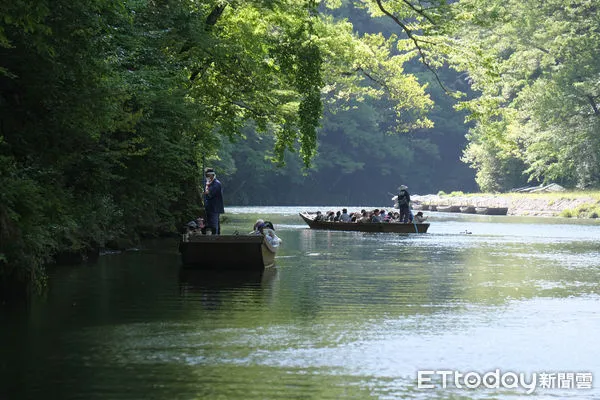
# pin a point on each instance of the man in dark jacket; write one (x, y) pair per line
(213, 201)
(404, 204)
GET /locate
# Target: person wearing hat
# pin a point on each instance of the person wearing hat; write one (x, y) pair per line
(213, 201)
(403, 204)
(419, 218)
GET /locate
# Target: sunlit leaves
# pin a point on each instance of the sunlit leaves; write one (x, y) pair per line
(546, 62)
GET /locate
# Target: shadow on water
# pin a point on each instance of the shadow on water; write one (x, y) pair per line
(200, 280)
(220, 292)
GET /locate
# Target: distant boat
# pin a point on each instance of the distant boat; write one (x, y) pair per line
(227, 252)
(491, 210)
(420, 207)
(389, 227)
(467, 209)
(448, 208)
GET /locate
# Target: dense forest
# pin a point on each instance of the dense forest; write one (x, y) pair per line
(109, 109)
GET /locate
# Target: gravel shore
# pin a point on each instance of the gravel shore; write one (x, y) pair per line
(552, 206)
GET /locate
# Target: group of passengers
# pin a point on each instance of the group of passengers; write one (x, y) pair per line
(365, 216)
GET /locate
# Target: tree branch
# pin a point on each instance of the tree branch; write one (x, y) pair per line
(371, 77)
(420, 11)
(592, 101)
(214, 16)
(416, 41)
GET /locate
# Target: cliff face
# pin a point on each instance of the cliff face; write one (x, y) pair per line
(524, 205)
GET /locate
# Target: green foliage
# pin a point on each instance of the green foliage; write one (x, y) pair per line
(108, 110)
(587, 210)
(568, 213)
(536, 67)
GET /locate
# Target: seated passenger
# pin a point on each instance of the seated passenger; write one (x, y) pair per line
(344, 217)
(196, 225)
(338, 214)
(319, 216)
(375, 217)
(268, 231)
(257, 225)
(269, 225)
(419, 218)
(364, 217)
(330, 216)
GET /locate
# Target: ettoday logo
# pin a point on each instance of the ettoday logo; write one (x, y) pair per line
(496, 379)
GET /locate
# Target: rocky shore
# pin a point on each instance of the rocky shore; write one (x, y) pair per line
(580, 206)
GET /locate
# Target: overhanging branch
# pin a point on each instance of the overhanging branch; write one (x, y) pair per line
(420, 11)
(416, 41)
(593, 104)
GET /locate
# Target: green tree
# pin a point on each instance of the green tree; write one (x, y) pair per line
(536, 67)
(107, 108)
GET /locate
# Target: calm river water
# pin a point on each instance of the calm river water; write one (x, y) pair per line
(343, 316)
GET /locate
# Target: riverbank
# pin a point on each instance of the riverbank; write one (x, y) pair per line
(562, 204)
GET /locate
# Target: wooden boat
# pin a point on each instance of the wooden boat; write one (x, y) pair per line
(491, 210)
(227, 252)
(391, 227)
(467, 209)
(448, 208)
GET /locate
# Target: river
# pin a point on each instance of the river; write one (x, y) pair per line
(343, 315)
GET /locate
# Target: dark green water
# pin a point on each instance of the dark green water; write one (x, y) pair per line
(343, 315)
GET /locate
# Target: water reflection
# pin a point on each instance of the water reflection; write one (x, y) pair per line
(216, 288)
(191, 280)
(344, 315)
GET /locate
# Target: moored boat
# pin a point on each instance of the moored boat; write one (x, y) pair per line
(491, 210)
(448, 208)
(227, 252)
(390, 227)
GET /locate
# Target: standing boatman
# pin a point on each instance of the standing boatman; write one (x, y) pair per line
(404, 204)
(213, 201)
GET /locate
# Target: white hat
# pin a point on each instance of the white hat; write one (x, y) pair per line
(403, 187)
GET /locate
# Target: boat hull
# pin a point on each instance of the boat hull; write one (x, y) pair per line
(226, 252)
(491, 210)
(388, 227)
(448, 209)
